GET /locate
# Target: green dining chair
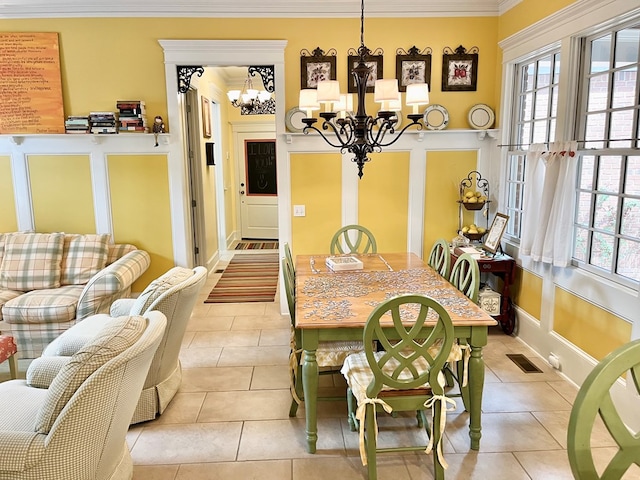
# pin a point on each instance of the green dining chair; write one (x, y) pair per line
(593, 400)
(330, 354)
(289, 256)
(404, 377)
(440, 257)
(356, 239)
(465, 276)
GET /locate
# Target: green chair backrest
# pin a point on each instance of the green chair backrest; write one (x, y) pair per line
(465, 276)
(440, 258)
(364, 241)
(289, 256)
(593, 399)
(289, 288)
(404, 345)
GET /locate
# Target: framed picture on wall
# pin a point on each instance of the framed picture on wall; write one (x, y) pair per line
(460, 70)
(206, 117)
(374, 62)
(413, 67)
(316, 67)
(492, 242)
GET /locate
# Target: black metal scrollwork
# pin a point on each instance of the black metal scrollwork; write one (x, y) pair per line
(266, 72)
(185, 73)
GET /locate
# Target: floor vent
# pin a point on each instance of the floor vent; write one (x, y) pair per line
(523, 362)
(219, 271)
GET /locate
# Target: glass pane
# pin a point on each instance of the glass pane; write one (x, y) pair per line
(556, 70)
(526, 109)
(600, 53)
(540, 131)
(628, 259)
(527, 77)
(552, 131)
(580, 246)
(519, 195)
(595, 130)
(544, 72)
(554, 102)
(623, 90)
(602, 251)
(632, 180)
(627, 47)
(524, 135)
(598, 92)
(586, 172)
(583, 209)
(516, 223)
(630, 219)
(542, 104)
(621, 128)
(604, 217)
(609, 174)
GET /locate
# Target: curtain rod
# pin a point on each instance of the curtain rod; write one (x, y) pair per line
(579, 141)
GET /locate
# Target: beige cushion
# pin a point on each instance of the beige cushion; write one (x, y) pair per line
(160, 285)
(31, 261)
(120, 334)
(83, 256)
(43, 370)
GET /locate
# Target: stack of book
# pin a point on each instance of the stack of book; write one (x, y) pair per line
(103, 122)
(77, 124)
(132, 116)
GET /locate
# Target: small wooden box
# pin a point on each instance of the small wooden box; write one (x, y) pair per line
(339, 264)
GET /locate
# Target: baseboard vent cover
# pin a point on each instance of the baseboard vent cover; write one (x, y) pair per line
(524, 363)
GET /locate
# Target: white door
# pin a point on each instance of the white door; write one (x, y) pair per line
(258, 187)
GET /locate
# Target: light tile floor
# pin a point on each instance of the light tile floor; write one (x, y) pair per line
(230, 419)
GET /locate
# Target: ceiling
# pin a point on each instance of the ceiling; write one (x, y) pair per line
(251, 8)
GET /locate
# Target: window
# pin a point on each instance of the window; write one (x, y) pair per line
(607, 217)
(535, 103)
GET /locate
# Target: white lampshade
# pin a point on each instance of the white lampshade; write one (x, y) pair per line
(395, 105)
(308, 101)
(417, 94)
(345, 104)
(263, 96)
(328, 91)
(385, 91)
(233, 95)
(252, 93)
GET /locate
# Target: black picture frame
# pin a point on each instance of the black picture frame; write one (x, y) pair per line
(494, 235)
(375, 62)
(412, 67)
(316, 67)
(460, 70)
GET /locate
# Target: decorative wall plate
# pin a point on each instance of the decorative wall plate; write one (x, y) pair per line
(436, 117)
(481, 117)
(293, 120)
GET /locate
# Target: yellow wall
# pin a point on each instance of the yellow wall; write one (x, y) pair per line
(445, 170)
(141, 212)
(383, 200)
(8, 220)
(526, 292)
(62, 195)
(526, 13)
(587, 326)
(317, 179)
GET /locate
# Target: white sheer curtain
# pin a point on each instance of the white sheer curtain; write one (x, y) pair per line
(550, 189)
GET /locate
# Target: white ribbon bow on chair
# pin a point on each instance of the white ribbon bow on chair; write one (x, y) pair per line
(360, 413)
(443, 420)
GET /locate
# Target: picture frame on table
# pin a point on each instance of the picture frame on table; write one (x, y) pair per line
(413, 67)
(206, 117)
(374, 62)
(494, 235)
(460, 70)
(316, 67)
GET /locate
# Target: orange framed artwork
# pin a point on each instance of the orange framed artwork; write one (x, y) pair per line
(30, 83)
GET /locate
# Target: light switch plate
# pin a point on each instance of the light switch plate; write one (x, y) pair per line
(298, 211)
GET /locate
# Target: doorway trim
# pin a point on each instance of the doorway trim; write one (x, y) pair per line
(213, 53)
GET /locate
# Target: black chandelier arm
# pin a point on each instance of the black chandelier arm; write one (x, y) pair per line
(324, 137)
(399, 134)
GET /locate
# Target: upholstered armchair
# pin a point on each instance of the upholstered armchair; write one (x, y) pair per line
(69, 418)
(174, 294)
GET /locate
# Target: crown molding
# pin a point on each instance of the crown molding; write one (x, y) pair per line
(506, 5)
(13, 9)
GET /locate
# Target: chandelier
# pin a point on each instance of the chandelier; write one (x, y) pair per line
(361, 134)
(248, 97)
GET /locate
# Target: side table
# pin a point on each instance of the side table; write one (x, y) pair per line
(503, 266)
(8, 350)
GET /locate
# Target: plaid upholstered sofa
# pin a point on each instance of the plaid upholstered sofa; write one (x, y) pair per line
(50, 281)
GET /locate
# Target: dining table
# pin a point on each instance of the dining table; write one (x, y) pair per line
(334, 304)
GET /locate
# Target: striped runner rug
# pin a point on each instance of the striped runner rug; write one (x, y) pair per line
(249, 245)
(247, 278)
